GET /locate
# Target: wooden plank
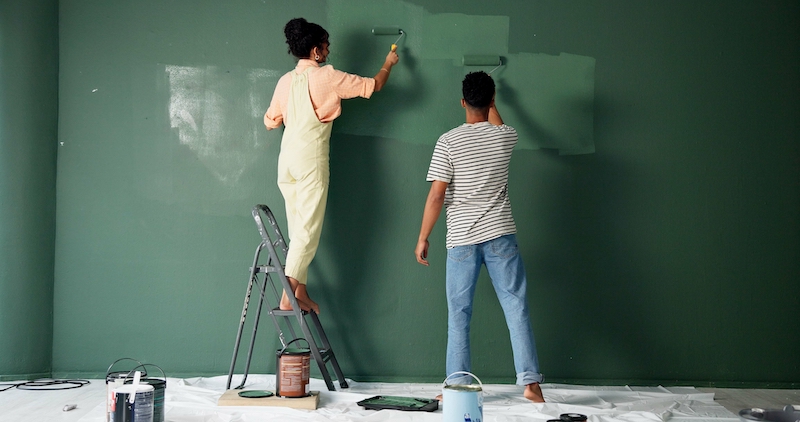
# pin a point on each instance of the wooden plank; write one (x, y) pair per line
(231, 398)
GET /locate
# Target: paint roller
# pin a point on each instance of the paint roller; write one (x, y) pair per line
(389, 30)
(482, 60)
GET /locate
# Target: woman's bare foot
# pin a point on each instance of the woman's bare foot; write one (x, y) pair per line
(534, 393)
(286, 304)
(301, 295)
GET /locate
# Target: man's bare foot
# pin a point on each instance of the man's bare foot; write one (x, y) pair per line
(301, 295)
(534, 393)
(439, 397)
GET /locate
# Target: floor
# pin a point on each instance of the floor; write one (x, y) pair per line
(195, 400)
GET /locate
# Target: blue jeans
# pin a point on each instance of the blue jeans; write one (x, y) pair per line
(502, 259)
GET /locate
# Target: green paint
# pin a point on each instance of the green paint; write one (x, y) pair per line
(481, 60)
(648, 259)
(548, 99)
(28, 142)
(452, 35)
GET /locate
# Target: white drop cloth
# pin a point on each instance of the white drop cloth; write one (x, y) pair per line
(195, 400)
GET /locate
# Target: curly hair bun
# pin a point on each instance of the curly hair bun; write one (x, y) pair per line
(302, 36)
(294, 29)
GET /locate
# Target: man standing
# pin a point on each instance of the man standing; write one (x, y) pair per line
(469, 175)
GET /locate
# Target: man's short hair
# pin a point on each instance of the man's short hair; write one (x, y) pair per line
(478, 89)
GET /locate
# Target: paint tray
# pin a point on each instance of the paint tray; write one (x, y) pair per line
(399, 403)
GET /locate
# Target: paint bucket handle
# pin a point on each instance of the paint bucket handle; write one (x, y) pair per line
(287, 345)
(143, 365)
(108, 371)
(444, 383)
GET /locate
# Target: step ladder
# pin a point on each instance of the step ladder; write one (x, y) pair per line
(264, 277)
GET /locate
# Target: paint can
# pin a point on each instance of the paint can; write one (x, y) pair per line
(115, 379)
(133, 402)
(159, 390)
(292, 371)
(462, 402)
(788, 414)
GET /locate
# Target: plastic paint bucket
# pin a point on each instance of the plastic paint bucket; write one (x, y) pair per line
(115, 379)
(462, 402)
(292, 371)
(132, 403)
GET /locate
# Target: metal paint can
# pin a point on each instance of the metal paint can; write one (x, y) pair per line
(292, 371)
(159, 390)
(115, 379)
(132, 403)
(572, 417)
(462, 402)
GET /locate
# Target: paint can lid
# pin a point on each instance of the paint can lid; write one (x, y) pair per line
(464, 387)
(155, 382)
(255, 394)
(111, 376)
(130, 388)
(294, 351)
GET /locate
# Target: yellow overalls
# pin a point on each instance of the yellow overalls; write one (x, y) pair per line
(303, 175)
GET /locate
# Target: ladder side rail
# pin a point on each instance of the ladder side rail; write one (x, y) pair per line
(276, 318)
(280, 240)
(262, 287)
(280, 243)
(323, 339)
(317, 355)
(331, 357)
(248, 293)
(270, 244)
(262, 229)
(285, 282)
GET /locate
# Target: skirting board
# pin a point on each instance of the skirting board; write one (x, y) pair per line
(231, 398)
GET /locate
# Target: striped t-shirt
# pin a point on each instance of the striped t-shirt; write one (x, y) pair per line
(473, 159)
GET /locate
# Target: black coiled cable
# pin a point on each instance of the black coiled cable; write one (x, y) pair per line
(45, 384)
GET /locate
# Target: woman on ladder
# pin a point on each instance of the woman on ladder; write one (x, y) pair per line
(306, 101)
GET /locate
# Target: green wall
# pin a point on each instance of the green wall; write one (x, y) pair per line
(28, 134)
(656, 188)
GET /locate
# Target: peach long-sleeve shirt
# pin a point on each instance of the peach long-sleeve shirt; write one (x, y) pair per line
(327, 87)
